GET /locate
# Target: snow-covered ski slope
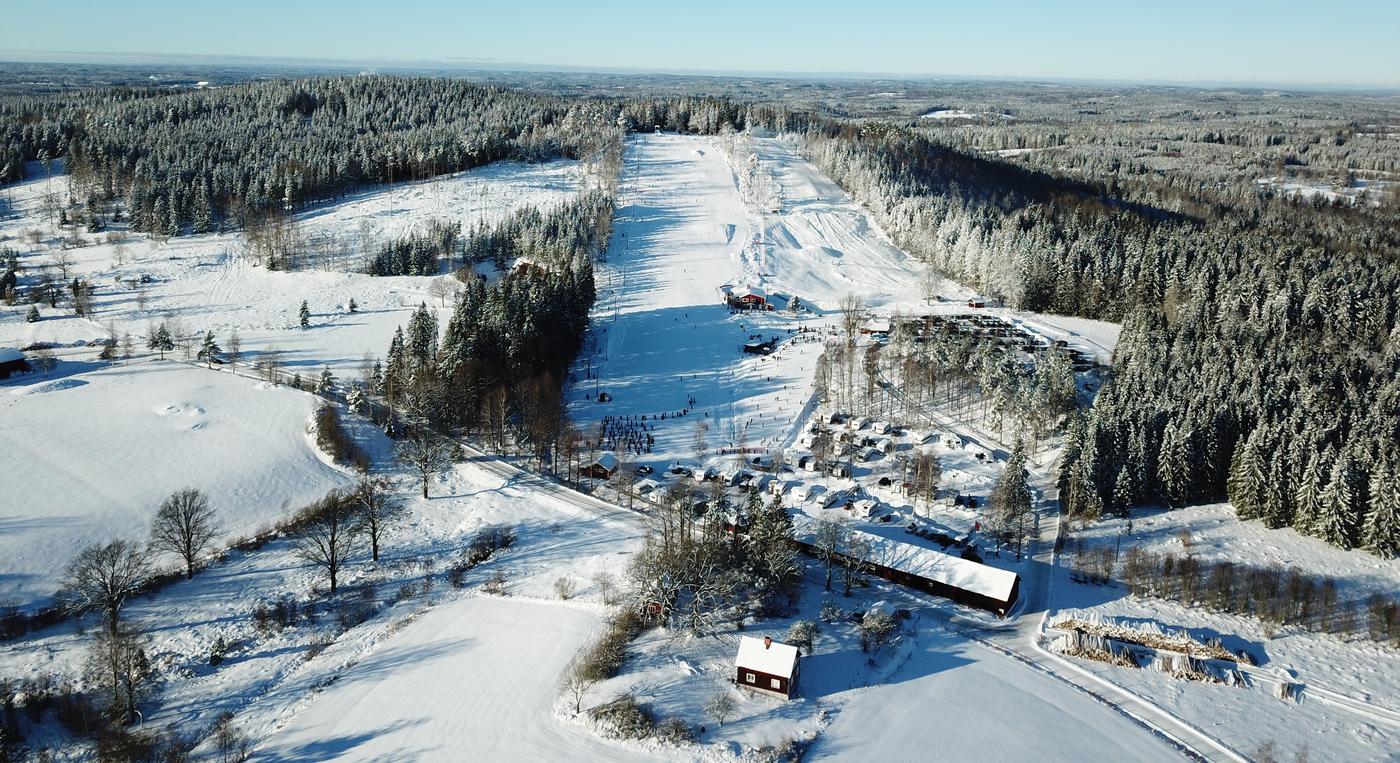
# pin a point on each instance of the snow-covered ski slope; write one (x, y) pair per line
(88, 458)
(666, 343)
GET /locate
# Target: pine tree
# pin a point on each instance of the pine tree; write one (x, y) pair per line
(160, 340)
(768, 547)
(1381, 533)
(1247, 487)
(326, 384)
(1123, 497)
(355, 399)
(1173, 469)
(1336, 509)
(421, 341)
(1308, 501)
(33, 315)
(304, 314)
(209, 350)
(353, 307)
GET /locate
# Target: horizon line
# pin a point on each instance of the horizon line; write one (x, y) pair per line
(465, 64)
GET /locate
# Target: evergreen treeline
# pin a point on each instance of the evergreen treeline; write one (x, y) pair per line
(416, 254)
(507, 346)
(1260, 351)
(197, 158)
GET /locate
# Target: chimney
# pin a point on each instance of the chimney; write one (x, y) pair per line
(767, 641)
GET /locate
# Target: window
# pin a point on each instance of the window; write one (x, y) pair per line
(749, 678)
(777, 685)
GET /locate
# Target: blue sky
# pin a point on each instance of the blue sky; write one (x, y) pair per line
(1353, 42)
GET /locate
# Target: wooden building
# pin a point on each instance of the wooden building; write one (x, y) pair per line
(965, 581)
(766, 666)
(12, 362)
(748, 298)
(601, 468)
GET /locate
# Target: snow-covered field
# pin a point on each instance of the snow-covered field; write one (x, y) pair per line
(89, 457)
(206, 282)
(1366, 675)
(471, 680)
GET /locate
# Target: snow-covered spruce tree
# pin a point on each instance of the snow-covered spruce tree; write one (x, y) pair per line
(160, 340)
(304, 314)
(1248, 484)
(209, 350)
(325, 384)
(1381, 532)
(1336, 520)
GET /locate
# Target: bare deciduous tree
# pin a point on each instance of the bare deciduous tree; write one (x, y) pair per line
(830, 537)
(424, 454)
(377, 509)
(102, 577)
(328, 535)
(184, 525)
(117, 662)
(852, 314)
(575, 682)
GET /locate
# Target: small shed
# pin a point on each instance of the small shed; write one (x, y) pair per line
(12, 362)
(601, 468)
(766, 666)
(842, 471)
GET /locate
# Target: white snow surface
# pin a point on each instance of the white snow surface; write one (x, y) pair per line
(88, 458)
(774, 659)
(470, 680)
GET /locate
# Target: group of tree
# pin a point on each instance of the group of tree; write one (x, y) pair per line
(507, 346)
(695, 571)
(1261, 336)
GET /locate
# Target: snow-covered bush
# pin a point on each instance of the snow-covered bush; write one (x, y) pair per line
(624, 718)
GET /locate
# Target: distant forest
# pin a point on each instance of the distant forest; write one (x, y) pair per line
(1260, 352)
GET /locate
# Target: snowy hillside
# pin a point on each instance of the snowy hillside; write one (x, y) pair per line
(89, 458)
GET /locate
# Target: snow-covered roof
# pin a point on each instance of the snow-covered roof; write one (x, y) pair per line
(774, 659)
(8, 354)
(876, 326)
(925, 562)
(749, 291)
(606, 460)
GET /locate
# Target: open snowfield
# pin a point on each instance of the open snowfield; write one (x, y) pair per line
(206, 282)
(958, 700)
(471, 680)
(271, 676)
(1365, 675)
(89, 457)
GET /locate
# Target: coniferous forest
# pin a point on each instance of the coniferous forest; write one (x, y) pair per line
(1260, 353)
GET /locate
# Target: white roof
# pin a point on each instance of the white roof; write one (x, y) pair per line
(749, 291)
(777, 659)
(8, 354)
(606, 460)
(926, 563)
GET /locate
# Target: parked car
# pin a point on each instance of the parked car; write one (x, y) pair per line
(643, 470)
